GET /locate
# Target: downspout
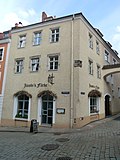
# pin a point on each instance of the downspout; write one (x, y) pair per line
(71, 75)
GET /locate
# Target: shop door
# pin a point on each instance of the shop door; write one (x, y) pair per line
(47, 109)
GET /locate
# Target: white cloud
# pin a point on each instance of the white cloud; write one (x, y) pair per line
(10, 18)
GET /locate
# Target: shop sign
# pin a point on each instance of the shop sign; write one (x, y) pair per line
(60, 111)
(35, 85)
(93, 86)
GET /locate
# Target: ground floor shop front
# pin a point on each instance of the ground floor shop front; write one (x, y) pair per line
(54, 109)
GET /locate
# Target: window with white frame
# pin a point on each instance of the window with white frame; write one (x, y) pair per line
(53, 62)
(37, 38)
(90, 41)
(34, 64)
(22, 41)
(54, 35)
(90, 66)
(97, 47)
(118, 92)
(1, 54)
(114, 61)
(106, 56)
(22, 106)
(18, 65)
(94, 105)
(98, 71)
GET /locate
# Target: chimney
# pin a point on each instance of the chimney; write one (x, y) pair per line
(44, 16)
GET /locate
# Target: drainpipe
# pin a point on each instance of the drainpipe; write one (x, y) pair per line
(71, 75)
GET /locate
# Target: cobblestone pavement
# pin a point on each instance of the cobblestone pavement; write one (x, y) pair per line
(96, 141)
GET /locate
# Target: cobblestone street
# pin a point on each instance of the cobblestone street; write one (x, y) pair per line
(96, 141)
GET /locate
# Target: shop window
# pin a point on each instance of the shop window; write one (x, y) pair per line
(94, 105)
(22, 106)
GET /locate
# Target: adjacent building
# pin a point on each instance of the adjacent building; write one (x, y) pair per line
(61, 72)
(4, 54)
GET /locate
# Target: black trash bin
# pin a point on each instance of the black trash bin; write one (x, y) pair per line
(34, 126)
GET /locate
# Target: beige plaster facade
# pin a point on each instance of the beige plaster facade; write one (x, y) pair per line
(59, 78)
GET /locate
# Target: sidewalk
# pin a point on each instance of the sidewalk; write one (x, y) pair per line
(58, 130)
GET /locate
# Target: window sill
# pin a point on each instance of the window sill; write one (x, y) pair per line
(20, 119)
(93, 114)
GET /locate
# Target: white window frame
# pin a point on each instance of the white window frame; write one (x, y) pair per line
(114, 61)
(118, 92)
(106, 56)
(19, 66)
(22, 41)
(34, 64)
(97, 47)
(1, 53)
(90, 67)
(37, 38)
(16, 106)
(39, 116)
(98, 71)
(96, 105)
(53, 62)
(90, 40)
(55, 35)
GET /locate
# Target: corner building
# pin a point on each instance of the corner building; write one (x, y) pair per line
(61, 72)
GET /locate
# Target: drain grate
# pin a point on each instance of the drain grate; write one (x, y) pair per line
(57, 133)
(62, 139)
(64, 158)
(49, 147)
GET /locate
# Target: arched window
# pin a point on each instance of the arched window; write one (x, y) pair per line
(94, 100)
(22, 101)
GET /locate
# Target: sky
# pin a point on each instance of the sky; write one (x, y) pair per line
(102, 14)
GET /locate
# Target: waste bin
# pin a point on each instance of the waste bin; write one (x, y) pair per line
(34, 126)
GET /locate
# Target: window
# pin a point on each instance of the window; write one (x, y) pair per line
(91, 67)
(37, 38)
(53, 62)
(94, 105)
(22, 41)
(18, 65)
(34, 64)
(97, 47)
(106, 56)
(118, 92)
(98, 71)
(114, 61)
(1, 54)
(22, 107)
(90, 41)
(54, 35)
